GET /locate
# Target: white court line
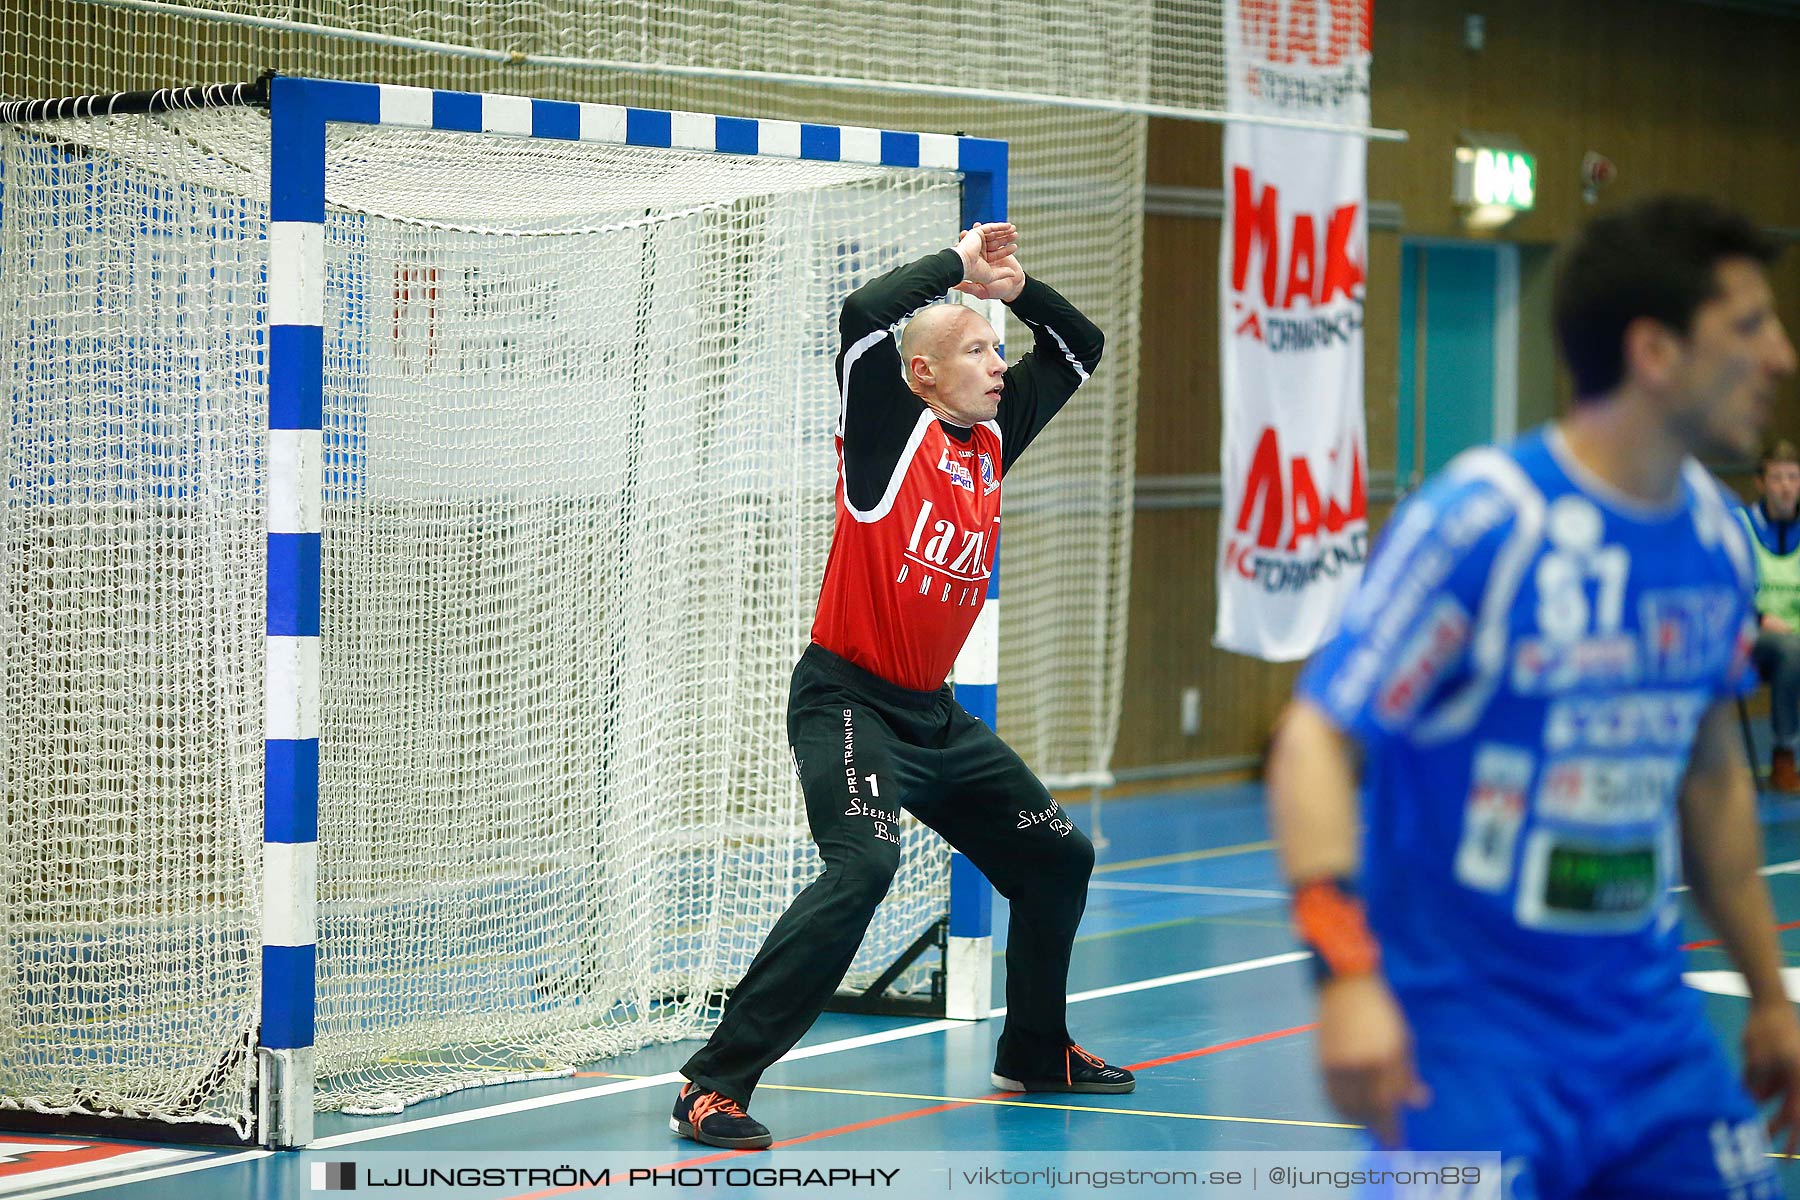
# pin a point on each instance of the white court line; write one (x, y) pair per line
(1185, 889)
(95, 1185)
(632, 1085)
(1144, 985)
(837, 1047)
(1791, 867)
(129, 1160)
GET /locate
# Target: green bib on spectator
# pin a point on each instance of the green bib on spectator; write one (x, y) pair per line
(1777, 577)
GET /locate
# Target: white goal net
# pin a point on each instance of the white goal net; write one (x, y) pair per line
(578, 493)
(1076, 192)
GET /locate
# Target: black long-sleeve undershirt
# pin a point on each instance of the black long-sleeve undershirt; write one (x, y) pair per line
(880, 411)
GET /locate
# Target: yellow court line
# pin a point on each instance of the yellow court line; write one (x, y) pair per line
(1110, 933)
(1127, 1112)
(1189, 856)
(1134, 1112)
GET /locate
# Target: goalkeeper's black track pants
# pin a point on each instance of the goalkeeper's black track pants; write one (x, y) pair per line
(866, 748)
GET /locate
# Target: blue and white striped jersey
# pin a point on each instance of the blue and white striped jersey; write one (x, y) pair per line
(1525, 667)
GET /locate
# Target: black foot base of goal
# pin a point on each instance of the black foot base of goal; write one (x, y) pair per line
(877, 1000)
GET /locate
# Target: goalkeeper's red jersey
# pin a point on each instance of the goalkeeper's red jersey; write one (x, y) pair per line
(907, 578)
(918, 499)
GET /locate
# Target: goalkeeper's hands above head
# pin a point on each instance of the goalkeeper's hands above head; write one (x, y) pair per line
(991, 269)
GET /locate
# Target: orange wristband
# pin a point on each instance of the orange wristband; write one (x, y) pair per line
(1329, 919)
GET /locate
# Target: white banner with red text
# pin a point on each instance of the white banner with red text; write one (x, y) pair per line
(1293, 529)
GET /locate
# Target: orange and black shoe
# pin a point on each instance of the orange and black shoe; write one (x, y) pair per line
(716, 1120)
(1079, 1071)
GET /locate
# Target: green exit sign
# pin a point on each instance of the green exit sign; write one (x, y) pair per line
(1487, 177)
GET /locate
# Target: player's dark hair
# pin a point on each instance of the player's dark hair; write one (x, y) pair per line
(1655, 258)
(1779, 451)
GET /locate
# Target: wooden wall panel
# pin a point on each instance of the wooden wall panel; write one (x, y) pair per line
(1178, 377)
(1679, 95)
(1170, 648)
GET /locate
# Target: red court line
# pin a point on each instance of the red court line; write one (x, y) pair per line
(880, 1121)
(894, 1118)
(1222, 1046)
(1710, 942)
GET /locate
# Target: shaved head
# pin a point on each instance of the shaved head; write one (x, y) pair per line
(951, 358)
(937, 325)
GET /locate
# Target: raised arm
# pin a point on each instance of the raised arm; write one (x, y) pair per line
(1065, 350)
(879, 411)
(877, 306)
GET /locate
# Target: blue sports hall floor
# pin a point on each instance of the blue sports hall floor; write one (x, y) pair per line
(1185, 970)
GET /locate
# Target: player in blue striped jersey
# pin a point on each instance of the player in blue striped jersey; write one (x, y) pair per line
(1535, 685)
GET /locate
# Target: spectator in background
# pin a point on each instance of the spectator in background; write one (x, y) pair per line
(1775, 540)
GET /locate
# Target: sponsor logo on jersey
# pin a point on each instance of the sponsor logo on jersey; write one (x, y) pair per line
(1492, 817)
(1689, 633)
(1574, 524)
(1609, 791)
(1542, 665)
(1389, 606)
(958, 473)
(1592, 885)
(1469, 519)
(1659, 720)
(1422, 663)
(940, 545)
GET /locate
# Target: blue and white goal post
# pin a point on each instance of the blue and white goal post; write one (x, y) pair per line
(300, 111)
